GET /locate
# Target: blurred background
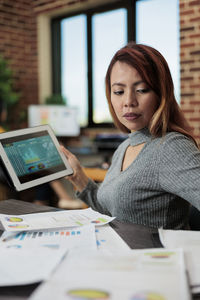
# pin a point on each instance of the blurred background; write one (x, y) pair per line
(53, 60)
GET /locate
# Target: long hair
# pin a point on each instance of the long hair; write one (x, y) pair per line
(154, 70)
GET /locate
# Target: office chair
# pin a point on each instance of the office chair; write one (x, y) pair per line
(194, 218)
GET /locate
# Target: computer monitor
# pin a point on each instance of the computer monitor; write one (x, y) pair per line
(62, 119)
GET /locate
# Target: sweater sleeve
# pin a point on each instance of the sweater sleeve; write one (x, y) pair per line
(179, 169)
(89, 196)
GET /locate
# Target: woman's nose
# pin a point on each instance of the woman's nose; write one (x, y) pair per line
(130, 100)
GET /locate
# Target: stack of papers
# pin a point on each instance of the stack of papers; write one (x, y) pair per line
(33, 245)
(32, 256)
(189, 241)
(78, 255)
(140, 274)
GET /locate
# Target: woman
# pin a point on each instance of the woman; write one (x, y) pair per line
(154, 175)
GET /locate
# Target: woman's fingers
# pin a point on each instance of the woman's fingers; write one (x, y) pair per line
(65, 151)
(71, 157)
(78, 178)
(74, 162)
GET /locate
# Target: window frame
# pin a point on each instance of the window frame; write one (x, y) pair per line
(129, 5)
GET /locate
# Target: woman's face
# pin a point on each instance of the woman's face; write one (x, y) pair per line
(133, 101)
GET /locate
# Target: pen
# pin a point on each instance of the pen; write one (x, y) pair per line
(10, 237)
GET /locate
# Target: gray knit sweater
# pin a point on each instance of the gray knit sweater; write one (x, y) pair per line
(157, 187)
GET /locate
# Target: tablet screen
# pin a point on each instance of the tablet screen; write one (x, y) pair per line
(33, 155)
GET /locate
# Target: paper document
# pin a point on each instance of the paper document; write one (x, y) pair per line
(141, 274)
(108, 240)
(189, 241)
(50, 220)
(80, 237)
(29, 257)
(26, 266)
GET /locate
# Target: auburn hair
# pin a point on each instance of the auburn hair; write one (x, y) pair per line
(154, 70)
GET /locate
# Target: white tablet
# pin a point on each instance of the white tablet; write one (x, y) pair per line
(31, 157)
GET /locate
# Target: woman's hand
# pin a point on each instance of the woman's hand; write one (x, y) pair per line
(78, 178)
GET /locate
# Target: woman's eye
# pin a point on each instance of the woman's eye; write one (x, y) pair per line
(118, 92)
(142, 91)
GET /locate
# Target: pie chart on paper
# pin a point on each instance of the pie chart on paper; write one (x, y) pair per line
(88, 294)
(148, 296)
(14, 219)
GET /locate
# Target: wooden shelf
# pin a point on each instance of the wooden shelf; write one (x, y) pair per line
(95, 174)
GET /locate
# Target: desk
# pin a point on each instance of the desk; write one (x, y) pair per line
(136, 236)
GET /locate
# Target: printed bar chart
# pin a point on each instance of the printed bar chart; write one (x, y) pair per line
(50, 234)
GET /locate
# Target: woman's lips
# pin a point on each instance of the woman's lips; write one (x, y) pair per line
(131, 116)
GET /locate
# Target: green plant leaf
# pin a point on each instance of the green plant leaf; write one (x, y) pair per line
(56, 99)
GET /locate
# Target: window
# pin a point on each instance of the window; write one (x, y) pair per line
(157, 25)
(106, 41)
(74, 64)
(83, 45)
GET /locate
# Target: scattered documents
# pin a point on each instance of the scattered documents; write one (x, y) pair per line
(141, 274)
(29, 257)
(189, 241)
(51, 220)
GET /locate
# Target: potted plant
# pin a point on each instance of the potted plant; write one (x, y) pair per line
(8, 98)
(56, 99)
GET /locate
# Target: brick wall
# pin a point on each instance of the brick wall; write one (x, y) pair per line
(190, 62)
(18, 45)
(44, 6)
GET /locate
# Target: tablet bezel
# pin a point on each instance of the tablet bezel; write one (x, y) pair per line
(47, 178)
